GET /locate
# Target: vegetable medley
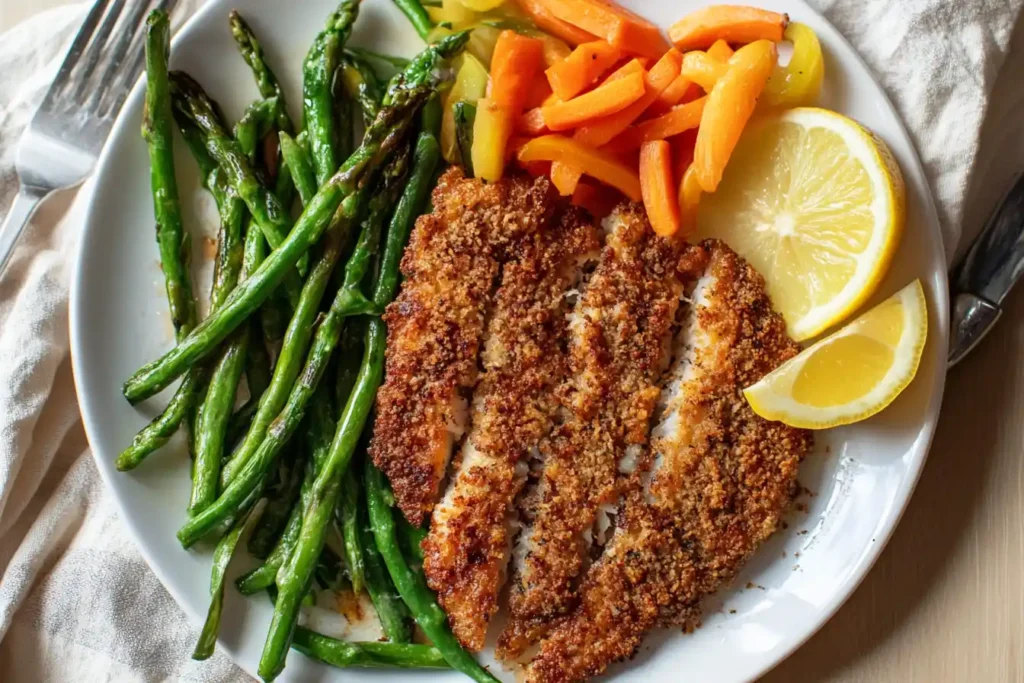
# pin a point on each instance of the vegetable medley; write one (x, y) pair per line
(587, 93)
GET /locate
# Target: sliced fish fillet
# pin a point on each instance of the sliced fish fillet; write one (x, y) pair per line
(619, 345)
(716, 487)
(437, 323)
(467, 549)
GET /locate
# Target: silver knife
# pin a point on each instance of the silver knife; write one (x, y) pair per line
(987, 273)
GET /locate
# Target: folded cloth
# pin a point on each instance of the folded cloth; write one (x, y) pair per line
(77, 602)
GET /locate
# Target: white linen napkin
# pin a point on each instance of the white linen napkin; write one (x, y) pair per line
(77, 603)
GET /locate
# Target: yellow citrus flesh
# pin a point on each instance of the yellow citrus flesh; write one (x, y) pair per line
(851, 374)
(815, 202)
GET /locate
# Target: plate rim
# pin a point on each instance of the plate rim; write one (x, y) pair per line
(870, 556)
(941, 304)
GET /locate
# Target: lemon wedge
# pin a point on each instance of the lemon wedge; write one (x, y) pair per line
(815, 202)
(851, 374)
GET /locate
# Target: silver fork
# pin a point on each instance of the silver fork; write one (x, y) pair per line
(62, 142)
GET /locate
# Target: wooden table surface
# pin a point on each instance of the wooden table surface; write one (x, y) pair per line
(945, 603)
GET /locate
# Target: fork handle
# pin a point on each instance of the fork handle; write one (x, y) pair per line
(25, 203)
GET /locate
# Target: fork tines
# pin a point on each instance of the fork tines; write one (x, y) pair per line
(93, 77)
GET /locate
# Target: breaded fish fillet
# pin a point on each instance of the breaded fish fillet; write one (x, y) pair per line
(467, 549)
(619, 344)
(720, 480)
(436, 325)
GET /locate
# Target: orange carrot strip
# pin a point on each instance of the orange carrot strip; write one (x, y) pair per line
(599, 200)
(689, 199)
(532, 123)
(596, 163)
(731, 23)
(720, 50)
(565, 178)
(582, 68)
(546, 21)
(604, 130)
(729, 107)
(491, 133)
(514, 66)
(659, 192)
(702, 69)
(608, 98)
(620, 27)
(535, 122)
(683, 145)
(678, 120)
(539, 94)
(679, 91)
(633, 66)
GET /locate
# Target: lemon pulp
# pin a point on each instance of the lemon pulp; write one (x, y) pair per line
(815, 203)
(851, 374)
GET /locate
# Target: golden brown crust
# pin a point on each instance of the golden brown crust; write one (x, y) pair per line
(466, 550)
(724, 479)
(436, 324)
(617, 351)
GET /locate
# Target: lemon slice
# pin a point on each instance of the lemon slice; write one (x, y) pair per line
(851, 374)
(815, 202)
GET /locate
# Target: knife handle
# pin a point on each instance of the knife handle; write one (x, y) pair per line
(988, 272)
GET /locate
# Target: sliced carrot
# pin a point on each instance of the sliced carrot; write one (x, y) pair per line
(731, 23)
(679, 91)
(689, 199)
(599, 200)
(720, 50)
(620, 27)
(582, 68)
(729, 107)
(703, 69)
(609, 97)
(659, 192)
(683, 145)
(596, 163)
(565, 178)
(491, 132)
(604, 130)
(678, 120)
(514, 66)
(633, 66)
(532, 123)
(539, 94)
(546, 21)
(637, 65)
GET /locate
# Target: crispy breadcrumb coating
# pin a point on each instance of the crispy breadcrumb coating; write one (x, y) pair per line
(467, 549)
(436, 325)
(722, 477)
(619, 346)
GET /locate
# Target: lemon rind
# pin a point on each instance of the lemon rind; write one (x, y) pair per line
(888, 192)
(771, 405)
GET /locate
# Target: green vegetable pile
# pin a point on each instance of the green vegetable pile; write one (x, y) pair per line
(287, 470)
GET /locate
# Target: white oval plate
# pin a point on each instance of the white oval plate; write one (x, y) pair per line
(860, 477)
